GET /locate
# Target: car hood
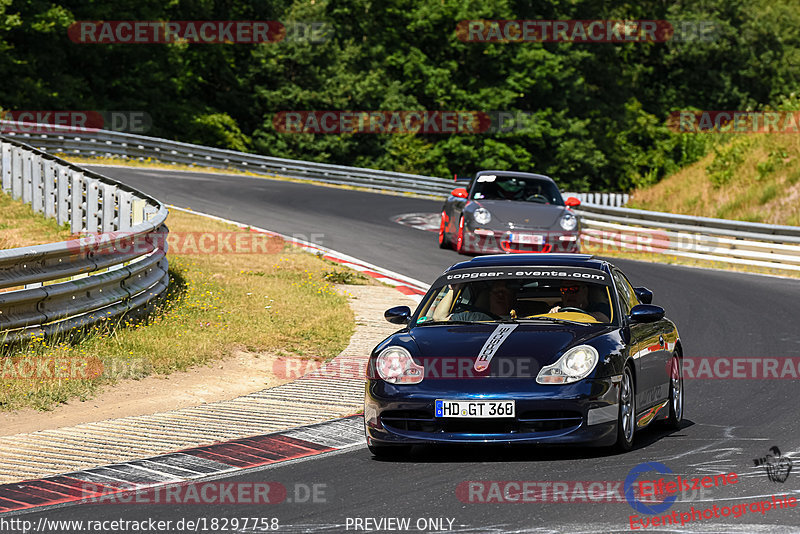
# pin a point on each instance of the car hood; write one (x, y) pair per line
(510, 211)
(539, 343)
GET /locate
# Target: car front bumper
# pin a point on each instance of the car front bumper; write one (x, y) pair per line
(581, 413)
(522, 241)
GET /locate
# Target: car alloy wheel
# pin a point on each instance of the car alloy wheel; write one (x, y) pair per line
(626, 423)
(675, 393)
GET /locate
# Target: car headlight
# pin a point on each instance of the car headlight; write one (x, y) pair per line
(396, 366)
(482, 216)
(573, 365)
(568, 222)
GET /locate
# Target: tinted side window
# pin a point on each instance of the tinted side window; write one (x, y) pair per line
(624, 292)
(634, 300)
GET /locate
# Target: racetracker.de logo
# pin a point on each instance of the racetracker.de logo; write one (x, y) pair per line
(384, 122)
(28, 368)
(243, 242)
(433, 368)
(740, 368)
(48, 121)
(188, 31)
(565, 31)
(539, 491)
(737, 122)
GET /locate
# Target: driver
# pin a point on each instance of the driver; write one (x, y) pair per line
(510, 189)
(576, 295)
(501, 300)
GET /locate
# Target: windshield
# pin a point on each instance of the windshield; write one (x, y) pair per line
(519, 299)
(525, 189)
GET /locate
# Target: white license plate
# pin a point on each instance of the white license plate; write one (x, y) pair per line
(527, 239)
(483, 409)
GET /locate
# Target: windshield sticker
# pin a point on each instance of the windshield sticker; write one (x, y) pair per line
(492, 344)
(487, 178)
(563, 273)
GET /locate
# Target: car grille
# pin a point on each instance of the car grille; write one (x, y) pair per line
(526, 422)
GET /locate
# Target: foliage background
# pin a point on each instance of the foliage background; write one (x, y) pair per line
(600, 109)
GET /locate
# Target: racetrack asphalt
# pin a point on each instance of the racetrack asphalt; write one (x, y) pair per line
(727, 424)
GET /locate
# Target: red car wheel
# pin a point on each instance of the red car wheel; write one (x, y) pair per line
(442, 235)
(460, 238)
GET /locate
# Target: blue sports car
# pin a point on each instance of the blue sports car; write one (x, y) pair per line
(527, 348)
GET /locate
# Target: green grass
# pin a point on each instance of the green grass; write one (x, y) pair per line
(750, 178)
(277, 302)
(21, 226)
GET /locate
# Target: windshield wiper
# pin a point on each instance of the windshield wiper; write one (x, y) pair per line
(554, 320)
(454, 321)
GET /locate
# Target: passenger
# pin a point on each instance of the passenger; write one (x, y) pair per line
(576, 295)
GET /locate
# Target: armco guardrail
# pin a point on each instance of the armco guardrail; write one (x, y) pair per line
(93, 142)
(600, 199)
(118, 266)
(738, 242)
(603, 221)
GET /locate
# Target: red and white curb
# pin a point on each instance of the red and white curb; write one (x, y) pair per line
(183, 465)
(415, 289)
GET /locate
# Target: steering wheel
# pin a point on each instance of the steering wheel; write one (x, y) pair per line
(572, 309)
(537, 198)
(469, 307)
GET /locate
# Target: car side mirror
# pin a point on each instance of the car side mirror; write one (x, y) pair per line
(398, 315)
(644, 295)
(572, 202)
(459, 192)
(646, 313)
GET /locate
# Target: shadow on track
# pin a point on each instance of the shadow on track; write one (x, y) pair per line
(438, 454)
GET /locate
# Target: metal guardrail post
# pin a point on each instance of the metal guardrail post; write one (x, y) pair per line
(92, 205)
(5, 167)
(76, 203)
(62, 199)
(37, 186)
(16, 173)
(50, 177)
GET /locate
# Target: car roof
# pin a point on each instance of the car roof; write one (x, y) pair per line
(518, 174)
(516, 260)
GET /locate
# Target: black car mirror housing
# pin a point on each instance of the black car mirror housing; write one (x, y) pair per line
(646, 313)
(398, 315)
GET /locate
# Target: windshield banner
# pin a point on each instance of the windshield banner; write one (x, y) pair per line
(505, 273)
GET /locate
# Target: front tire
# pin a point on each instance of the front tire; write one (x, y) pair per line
(460, 236)
(443, 241)
(626, 420)
(675, 394)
